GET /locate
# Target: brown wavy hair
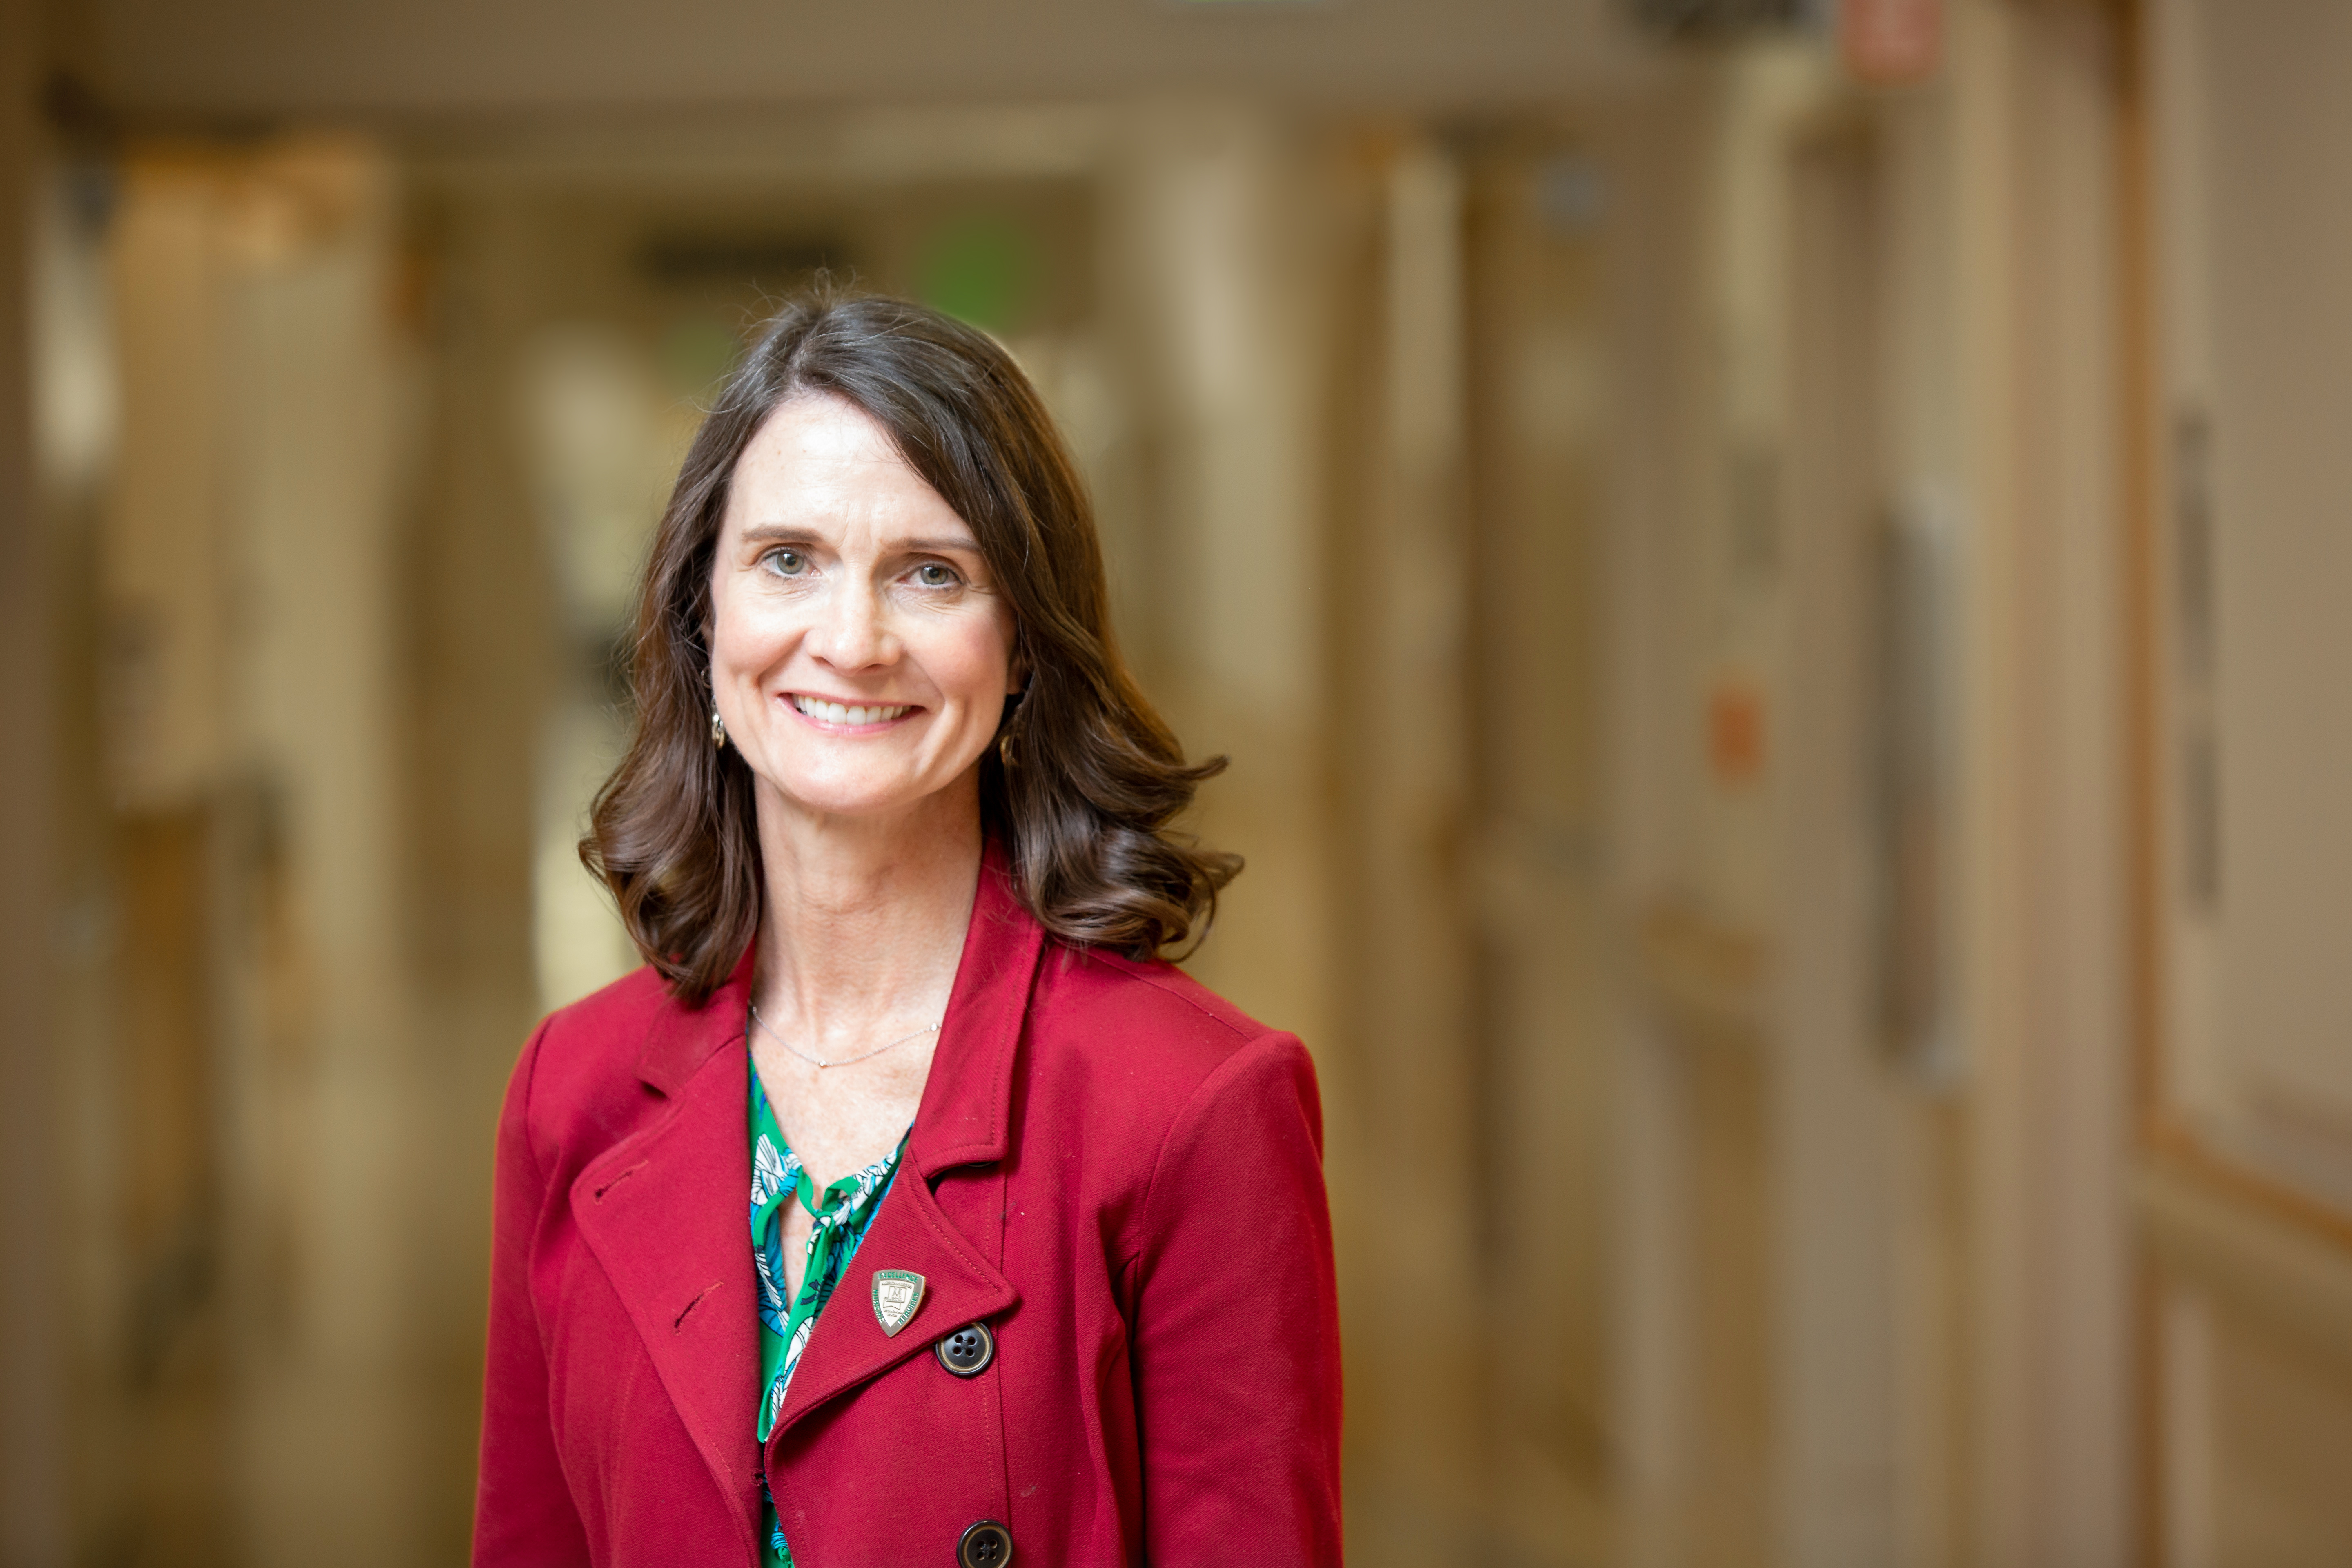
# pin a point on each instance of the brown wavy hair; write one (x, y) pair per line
(1085, 779)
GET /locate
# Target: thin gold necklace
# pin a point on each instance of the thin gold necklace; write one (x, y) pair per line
(820, 1062)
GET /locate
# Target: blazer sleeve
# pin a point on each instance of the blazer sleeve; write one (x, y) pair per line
(523, 1513)
(1236, 1325)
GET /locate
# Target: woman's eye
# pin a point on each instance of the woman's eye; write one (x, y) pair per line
(931, 574)
(787, 562)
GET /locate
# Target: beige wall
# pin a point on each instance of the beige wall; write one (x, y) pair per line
(2246, 1196)
(32, 1388)
(2255, 347)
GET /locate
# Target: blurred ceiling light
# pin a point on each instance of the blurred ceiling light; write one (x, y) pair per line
(73, 407)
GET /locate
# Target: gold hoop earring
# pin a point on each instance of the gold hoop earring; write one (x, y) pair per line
(1004, 750)
(718, 728)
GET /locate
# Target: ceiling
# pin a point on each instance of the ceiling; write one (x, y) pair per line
(435, 60)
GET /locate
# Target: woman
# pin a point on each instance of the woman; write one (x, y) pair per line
(1039, 1264)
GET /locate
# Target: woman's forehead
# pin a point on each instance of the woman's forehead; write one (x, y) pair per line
(823, 467)
(818, 434)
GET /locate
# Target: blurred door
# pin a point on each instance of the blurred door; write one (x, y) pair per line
(1535, 390)
(2246, 1149)
(1467, 1093)
(1859, 913)
(1788, 1257)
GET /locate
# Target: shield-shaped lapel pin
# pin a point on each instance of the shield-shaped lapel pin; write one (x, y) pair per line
(897, 1294)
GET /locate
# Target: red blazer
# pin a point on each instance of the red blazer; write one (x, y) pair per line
(1117, 1170)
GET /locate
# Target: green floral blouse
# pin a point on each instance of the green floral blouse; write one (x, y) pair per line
(841, 1218)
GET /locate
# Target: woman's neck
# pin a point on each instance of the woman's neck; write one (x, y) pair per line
(864, 920)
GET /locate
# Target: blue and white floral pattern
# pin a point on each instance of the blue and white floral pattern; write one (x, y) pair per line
(838, 1224)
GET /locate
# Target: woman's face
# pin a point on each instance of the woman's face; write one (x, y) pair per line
(859, 654)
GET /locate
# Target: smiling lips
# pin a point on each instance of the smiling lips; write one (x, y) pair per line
(850, 714)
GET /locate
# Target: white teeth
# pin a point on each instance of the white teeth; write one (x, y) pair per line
(848, 714)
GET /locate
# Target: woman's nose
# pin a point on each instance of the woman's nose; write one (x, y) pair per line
(850, 633)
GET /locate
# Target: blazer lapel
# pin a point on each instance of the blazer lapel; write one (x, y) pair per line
(847, 1347)
(966, 1111)
(666, 1212)
(964, 1118)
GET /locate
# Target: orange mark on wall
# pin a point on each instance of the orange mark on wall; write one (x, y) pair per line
(1891, 41)
(1735, 732)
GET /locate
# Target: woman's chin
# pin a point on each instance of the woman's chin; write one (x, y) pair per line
(869, 800)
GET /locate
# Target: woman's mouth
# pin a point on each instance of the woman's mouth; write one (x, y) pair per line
(849, 715)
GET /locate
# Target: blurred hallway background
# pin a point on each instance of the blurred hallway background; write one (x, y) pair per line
(1764, 566)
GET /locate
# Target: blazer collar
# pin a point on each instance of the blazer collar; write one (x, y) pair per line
(665, 1211)
(679, 1041)
(966, 1107)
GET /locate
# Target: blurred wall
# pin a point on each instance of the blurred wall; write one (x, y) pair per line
(1868, 746)
(33, 1389)
(253, 1213)
(2247, 1064)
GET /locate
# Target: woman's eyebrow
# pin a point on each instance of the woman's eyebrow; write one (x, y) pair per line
(794, 533)
(780, 533)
